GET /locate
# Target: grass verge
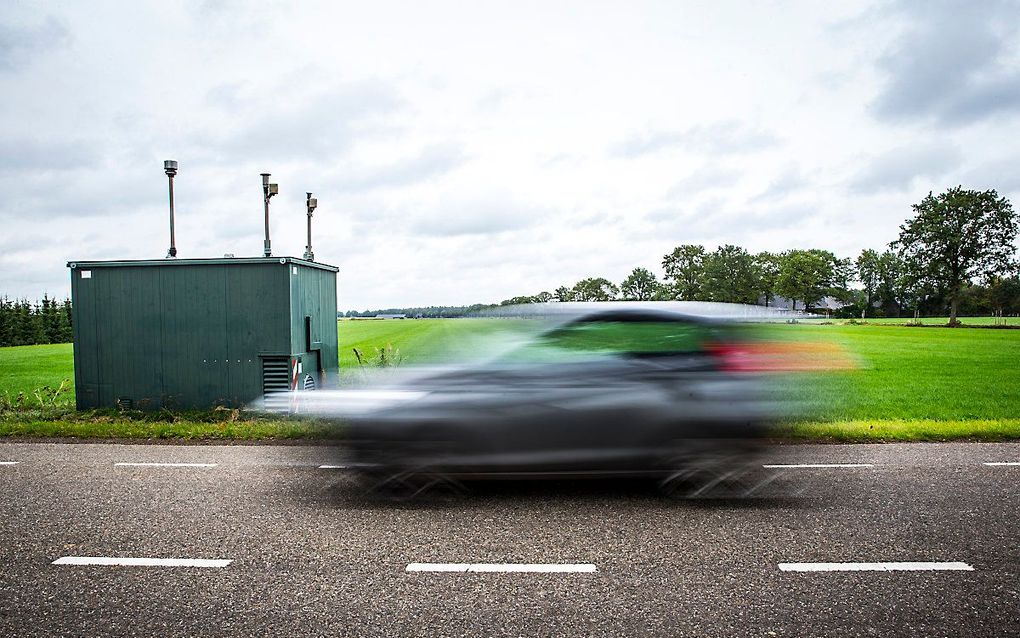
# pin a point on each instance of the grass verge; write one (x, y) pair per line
(199, 426)
(901, 431)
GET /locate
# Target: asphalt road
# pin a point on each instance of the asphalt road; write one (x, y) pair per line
(312, 555)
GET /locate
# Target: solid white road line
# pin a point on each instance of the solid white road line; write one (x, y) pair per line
(141, 562)
(333, 467)
(1004, 463)
(8, 462)
(820, 465)
(542, 568)
(167, 464)
(874, 567)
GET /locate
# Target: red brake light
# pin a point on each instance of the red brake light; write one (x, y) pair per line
(775, 356)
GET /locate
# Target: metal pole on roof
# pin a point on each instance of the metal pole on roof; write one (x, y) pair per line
(170, 168)
(310, 203)
(268, 190)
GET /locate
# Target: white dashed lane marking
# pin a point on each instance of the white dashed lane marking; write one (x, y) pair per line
(122, 561)
(1004, 463)
(333, 467)
(8, 462)
(820, 465)
(540, 568)
(166, 464)
(875, 567)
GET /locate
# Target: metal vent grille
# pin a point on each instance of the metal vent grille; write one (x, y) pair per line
(275, 383)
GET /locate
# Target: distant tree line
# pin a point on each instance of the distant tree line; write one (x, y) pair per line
(426, 312)
(728, 274)
(957, 255)
(24, 324)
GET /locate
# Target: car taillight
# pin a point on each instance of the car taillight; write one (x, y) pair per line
(736, 357)
(776, 356)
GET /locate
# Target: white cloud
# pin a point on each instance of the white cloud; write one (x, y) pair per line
(716, 138)
(20, 43)
(956, 63)
(897, 168)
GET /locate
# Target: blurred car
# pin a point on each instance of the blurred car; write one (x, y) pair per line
(617, 392)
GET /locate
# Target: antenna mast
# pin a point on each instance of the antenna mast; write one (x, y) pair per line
(170, 168)
(268, 190)
(311, 203)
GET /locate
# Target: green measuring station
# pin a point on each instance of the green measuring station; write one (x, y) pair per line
(200, 333)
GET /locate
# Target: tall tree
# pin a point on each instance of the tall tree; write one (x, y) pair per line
(10, 321)
(51, 319)
(842, 273)
(810, 275)
(594, 289)
(28, 327)
(6, 322)
(728, 275)
(522, 300)
(868, 274)
(1004, 295)
(766, 266)
(564, 294)
(684, 267)
(912, 291)
(957, 236)
(888, 286)
(640, 285)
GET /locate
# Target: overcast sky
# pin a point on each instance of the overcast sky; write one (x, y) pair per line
(469, 151)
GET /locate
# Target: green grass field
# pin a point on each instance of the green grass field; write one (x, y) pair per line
(916, 373)
(417, 340)
(26, 369)
(909, 383)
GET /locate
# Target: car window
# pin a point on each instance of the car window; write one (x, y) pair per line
(585, 340)
(629, 337)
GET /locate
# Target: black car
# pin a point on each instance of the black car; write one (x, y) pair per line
(616, 392)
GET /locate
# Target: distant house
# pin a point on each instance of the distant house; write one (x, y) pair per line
(825, 304)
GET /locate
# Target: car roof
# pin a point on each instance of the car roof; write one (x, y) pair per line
(639, 315)
(695, 311)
